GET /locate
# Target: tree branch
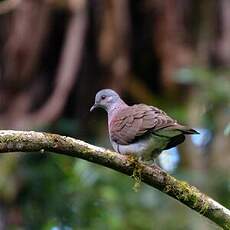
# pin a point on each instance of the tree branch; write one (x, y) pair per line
(23, 141)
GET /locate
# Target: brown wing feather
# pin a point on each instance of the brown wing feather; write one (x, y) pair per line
(135, 121)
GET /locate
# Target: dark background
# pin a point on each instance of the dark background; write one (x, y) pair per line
(56, 54)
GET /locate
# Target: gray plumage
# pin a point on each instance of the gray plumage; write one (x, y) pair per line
(142, 130)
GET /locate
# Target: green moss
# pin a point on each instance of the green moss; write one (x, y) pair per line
(110, 155)
(203, 208)
(180, 190)
(9, 138)
(194, 200)
(137, 171)
(186, 193)
(137, 178)
(227, 226)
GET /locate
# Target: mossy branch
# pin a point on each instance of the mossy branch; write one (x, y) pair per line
(23, 141)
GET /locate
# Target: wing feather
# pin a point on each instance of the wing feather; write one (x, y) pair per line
(137, 120)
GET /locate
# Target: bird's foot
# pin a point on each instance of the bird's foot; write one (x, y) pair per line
(155, 165)
(152, 163)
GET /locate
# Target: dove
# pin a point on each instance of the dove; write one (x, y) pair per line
(140, 130)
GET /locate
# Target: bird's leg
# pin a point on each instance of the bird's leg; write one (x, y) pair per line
(152, 160)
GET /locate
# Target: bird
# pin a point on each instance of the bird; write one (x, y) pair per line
(139, 130)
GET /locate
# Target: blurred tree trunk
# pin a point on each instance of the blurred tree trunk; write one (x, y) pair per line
(212, 52)
(22, 53)
(220, 156)
(114, 43)
(171, 39)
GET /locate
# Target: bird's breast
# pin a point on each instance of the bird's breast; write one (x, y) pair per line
(141, 147)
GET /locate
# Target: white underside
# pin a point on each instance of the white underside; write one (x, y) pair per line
(142, 148)
(147, 148)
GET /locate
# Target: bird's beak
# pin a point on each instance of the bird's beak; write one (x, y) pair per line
(93, 107)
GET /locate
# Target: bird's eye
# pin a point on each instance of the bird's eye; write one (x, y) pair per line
(103, 97)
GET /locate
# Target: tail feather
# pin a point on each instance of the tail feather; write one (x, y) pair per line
(186, 130)
(174, 141)
(190, 131)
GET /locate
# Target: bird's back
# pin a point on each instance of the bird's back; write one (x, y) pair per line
(133, 122)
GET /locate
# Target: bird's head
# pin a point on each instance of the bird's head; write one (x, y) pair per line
(106, 99)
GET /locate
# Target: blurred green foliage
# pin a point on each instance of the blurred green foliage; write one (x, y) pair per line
(212, 91)
(59, 192)
(214, 85)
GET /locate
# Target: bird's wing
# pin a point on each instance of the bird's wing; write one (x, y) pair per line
(137, 120)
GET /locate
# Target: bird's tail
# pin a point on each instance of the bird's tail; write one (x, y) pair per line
(186, 130)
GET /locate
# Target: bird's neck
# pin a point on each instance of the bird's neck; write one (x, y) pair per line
(116, 107)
